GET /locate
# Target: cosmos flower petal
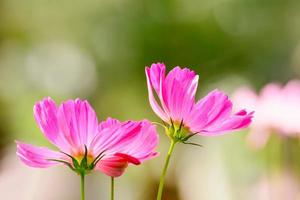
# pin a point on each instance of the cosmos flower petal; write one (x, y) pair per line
(78, 123)
(179, 92)
(39, 157)
(45, 114)
(108, 123)
(113, 166)
(155, 77)
(240, 120)
(132, 142)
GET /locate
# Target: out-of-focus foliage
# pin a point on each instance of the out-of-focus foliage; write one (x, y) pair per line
(97, 50)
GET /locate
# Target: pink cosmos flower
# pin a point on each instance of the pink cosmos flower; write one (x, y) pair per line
(83, 144)
(172, 97)
(277, 111)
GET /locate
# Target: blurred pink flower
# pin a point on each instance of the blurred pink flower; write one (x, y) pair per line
(278, 186)
(174, 102)
(277, 110)
(83, 144)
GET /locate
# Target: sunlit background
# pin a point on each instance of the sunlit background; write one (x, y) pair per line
(97, 50)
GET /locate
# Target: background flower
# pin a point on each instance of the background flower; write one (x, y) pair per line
(277, 110)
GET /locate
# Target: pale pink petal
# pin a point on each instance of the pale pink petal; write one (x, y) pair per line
(39, 157)
(245, 96)
(258, 137)
(270, 90)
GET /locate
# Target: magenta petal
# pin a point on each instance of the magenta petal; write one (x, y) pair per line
(39, 157)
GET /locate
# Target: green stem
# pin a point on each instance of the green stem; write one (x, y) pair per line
(82, 186)
(163, 175)
(112, 188)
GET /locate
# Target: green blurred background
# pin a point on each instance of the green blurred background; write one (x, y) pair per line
(97, 50)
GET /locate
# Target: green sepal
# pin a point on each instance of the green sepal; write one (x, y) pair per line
(178, 133)
(84, 161)
(84, 167)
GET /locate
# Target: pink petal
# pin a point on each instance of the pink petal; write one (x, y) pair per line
(245, 96)
(113, 166)
(109, 138)
(155, 76)
(240, 120)
(109, 123)
(258, 137)
(38, 156)
(179, 91)
(211, 115)
(142, 146)
(213, 107)
(132, 141)
(78, 123)
(129, 158)
(45, 113)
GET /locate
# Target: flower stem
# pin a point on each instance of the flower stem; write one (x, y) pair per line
(112, 188)
(82, 186)
(163, 175)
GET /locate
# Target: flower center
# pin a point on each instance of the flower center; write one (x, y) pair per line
(90, 158)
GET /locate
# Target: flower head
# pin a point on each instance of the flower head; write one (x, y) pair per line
(84, 145)
(277, 111)
(172, 98)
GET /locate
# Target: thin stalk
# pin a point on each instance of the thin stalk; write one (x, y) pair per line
(164, 172)
(112, 188)
(82, 186)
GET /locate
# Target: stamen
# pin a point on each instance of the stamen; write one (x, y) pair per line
(180, 126)
(172, 123)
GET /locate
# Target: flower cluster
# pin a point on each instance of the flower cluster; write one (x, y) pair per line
(86, 145)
